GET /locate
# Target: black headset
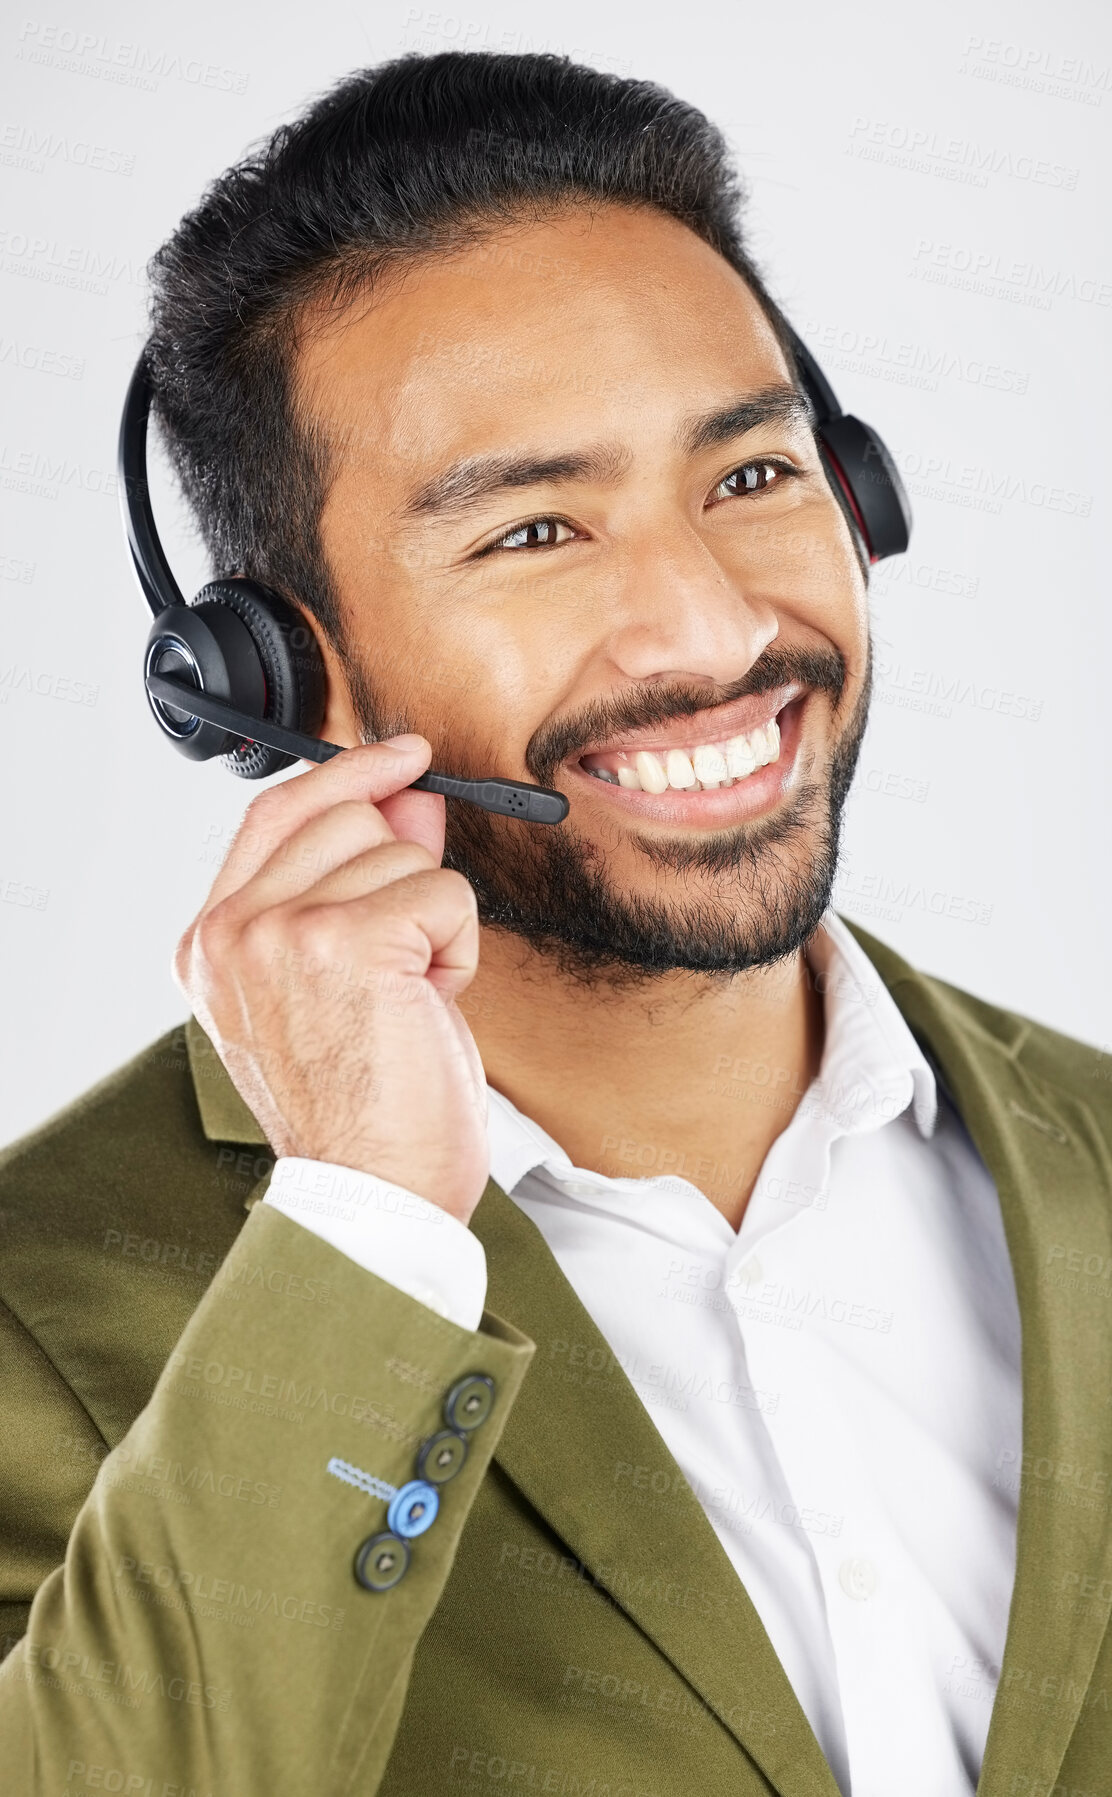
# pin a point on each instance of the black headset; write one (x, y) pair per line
(237, 672)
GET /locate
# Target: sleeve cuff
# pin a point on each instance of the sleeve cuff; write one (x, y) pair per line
(389, 1231)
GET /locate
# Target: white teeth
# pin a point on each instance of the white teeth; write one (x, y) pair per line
(651, 774)
(709, 764)
(677, 765)
(740, 757)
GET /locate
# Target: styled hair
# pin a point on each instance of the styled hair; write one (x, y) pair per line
(419, 155)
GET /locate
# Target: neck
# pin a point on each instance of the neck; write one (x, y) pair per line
(682, 1074)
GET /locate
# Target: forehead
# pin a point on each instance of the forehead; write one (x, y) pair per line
(587, 325)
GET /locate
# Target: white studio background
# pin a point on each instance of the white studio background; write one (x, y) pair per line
(927, 203)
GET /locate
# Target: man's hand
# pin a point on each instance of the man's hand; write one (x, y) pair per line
(325, 964)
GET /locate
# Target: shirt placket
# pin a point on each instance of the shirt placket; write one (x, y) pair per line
(886, 1684)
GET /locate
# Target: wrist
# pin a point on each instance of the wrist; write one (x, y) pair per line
(328, 1178)
(391, 1231)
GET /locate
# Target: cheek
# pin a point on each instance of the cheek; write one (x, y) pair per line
(483, 677)
(805, 565)
(515, 669)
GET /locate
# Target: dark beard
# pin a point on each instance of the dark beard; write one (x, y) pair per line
(550, 886)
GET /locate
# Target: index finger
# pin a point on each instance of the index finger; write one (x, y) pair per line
(371, 771)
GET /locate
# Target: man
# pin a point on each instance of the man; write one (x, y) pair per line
(614, 1384)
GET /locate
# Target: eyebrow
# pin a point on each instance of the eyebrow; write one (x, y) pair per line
(475, 479)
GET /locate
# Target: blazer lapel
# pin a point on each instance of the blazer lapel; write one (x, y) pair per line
(575, 1419)
(1051, 1166)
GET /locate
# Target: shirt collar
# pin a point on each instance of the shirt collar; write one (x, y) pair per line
(872, 1066)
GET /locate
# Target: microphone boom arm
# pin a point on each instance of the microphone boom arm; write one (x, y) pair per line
(533, 804)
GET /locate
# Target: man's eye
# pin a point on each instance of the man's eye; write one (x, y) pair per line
(751, 477)
(539, 533)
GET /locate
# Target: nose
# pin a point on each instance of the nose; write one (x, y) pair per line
(680, 617)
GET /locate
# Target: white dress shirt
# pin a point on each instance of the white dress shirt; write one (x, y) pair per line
(838, 1380)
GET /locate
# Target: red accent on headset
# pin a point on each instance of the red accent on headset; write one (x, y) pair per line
(244, 747)
(853, 505)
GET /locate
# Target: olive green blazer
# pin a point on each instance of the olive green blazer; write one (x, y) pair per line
(180, 1364)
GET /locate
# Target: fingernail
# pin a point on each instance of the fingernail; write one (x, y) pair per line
(409, 744)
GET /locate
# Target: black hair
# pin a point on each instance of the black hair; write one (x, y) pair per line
(417, 155)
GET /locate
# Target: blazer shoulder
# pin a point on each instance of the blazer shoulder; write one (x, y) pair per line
(1082, 1068)
(157, 1072)
(117, 1212)
(1052, 1057)
(1079, 1067)
(132, 1133)
(1051, 1053)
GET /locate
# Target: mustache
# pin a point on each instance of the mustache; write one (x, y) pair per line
(560, 738)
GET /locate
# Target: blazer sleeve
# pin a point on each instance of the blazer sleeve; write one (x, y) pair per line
(207, 1629)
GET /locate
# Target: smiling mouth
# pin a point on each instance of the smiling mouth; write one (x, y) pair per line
(708, 782)
(707, 760)
(703, 767)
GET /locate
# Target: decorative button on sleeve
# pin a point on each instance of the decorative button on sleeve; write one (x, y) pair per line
(381, 1562)
(469, 1402)
(383, 1559)
(413, 1509)
(441, 1456)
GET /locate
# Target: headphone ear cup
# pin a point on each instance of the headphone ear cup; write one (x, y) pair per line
(288, 659)
(867, 482)
(209, 648)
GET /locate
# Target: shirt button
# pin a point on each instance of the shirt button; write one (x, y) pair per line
(749, 1274)
(858, 1578)
(381, 1561)
(579, 1188)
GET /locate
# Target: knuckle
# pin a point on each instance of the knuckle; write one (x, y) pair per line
(257, 831)
(458, 887)
(261, 814)
(389, 863)
(409, 858)
(210, 934)
(266, 802)
(356, 812)
(442, 885)
(315, 933)
(262, 940)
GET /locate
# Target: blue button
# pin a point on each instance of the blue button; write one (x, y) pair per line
(413, 1509)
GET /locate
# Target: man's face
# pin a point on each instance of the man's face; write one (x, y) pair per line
(578, 527)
